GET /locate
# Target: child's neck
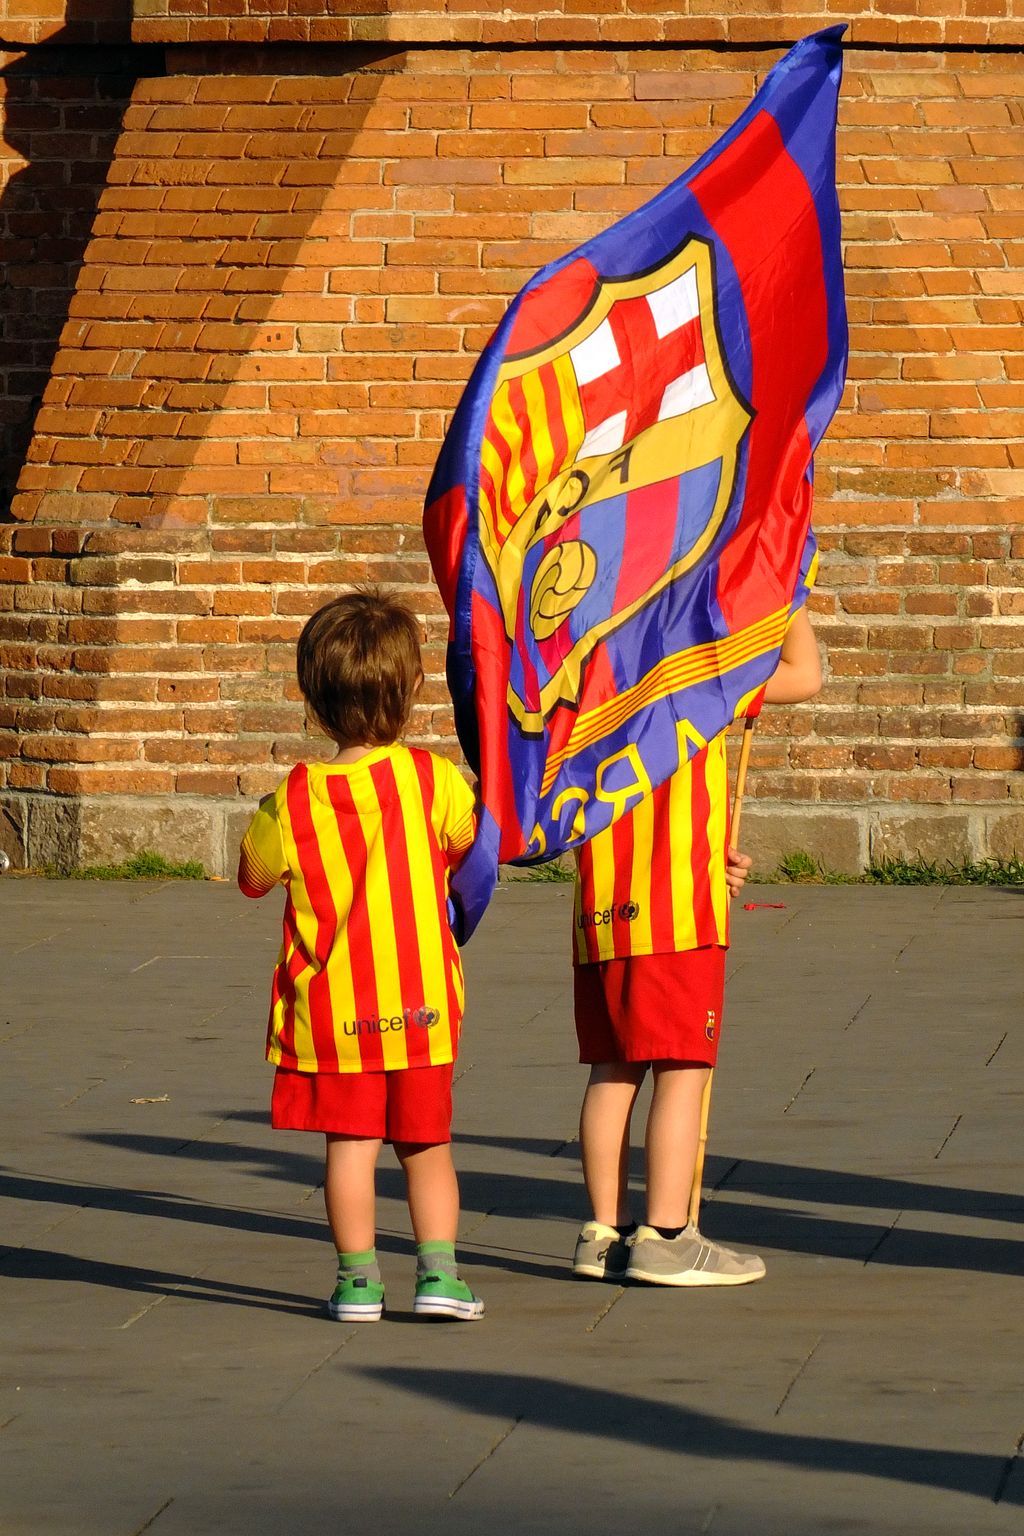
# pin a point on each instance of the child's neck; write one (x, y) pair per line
(355, 751)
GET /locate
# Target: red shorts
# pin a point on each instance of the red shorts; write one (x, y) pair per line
(651, 1007)
(413, 1105)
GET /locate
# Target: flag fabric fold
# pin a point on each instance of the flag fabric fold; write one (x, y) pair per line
(619, 518)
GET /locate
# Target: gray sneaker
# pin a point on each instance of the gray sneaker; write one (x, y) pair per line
(601, 1253)
(688, 1259)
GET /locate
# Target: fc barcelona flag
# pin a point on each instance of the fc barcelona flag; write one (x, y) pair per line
(620, 514)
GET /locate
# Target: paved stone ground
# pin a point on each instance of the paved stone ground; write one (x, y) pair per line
(167, 1363)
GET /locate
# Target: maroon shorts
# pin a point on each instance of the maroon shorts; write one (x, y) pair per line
(651, 1007)
(414, 1104)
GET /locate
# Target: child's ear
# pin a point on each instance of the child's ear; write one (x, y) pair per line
(418, 684)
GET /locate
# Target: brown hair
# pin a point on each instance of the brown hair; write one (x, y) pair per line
(358, 664)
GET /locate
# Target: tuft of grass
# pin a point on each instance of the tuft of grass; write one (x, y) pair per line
(802, 868)
(141, 866)
(931, 872)
(554, 872)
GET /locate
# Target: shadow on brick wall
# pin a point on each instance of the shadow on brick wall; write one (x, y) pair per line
(63, 103)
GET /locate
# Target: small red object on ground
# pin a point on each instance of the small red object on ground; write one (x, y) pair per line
(755, 906)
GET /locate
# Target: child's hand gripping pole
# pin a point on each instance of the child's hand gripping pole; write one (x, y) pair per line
(734, 834)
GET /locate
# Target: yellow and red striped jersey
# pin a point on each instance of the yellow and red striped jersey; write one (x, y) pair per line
(654, 882)
(369, 977)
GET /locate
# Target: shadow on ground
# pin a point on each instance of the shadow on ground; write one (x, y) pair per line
(766, 1223)
(648, 1423)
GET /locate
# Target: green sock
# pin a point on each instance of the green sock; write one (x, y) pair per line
(365, 1264)
(435, 1258)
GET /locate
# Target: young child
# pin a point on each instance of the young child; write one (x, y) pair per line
(651, 931)
(367, 995)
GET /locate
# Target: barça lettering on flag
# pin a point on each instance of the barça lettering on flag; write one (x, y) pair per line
(619, 520)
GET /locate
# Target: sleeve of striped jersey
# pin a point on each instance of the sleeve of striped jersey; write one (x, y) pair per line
(262, 861)
(458, 827)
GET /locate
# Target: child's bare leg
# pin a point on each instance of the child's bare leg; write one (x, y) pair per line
(604, 1137)
(433, 1192)
(349, 1191)
(673, 1131)
(432, 1189)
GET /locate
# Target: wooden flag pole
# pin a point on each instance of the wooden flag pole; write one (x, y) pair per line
(749, 723)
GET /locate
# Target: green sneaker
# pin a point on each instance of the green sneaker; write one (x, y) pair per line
(357, 1300)
(439, 1294)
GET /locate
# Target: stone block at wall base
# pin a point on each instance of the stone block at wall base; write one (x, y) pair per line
(836, 838)
(935, 839)
(14, 831)
(179, 829)
(37, 831)
(1006, 835)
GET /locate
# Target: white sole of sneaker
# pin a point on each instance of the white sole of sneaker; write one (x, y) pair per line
(346, 1312)
(691, 1277)
(595, 1272)
(443, 1306)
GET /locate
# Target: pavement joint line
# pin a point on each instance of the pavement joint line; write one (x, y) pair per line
(487, 1454)
(901, 952)
(530, 1253)
(998, 1048)
(949, 1136)
(726, 1176)
(154, 1517)
(709, 1519)
(313, 1189)
(799, 1091)
(482, 1216)
(151, 961)
(96, 1083)
(16, 1032)
(599, 1319)
(462, 1072)
(143, 1310)
(11, 1420)
(1007, 1472)
(885, 1235)
(318, 1367)
(857, 1015)
(172, 1290)
(805, 1362)
(34, 943)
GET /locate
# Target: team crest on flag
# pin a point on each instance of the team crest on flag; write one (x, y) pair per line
(628, 421)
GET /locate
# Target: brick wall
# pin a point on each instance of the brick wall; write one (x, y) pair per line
(297, 257)
(62, 109)
(67, 22)
(912, 23)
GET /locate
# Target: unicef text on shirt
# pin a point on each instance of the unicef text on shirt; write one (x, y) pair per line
(423, 1018)
(626, 912)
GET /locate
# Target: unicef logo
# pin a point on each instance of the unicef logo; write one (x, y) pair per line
(425, 1017)
(629, 911)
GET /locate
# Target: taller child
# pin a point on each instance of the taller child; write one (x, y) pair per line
(367, 994)
(651, 926)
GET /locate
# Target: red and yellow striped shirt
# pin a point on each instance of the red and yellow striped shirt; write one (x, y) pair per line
(369, 977)
(654, 882)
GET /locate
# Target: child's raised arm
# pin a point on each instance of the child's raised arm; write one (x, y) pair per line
(798, 674)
